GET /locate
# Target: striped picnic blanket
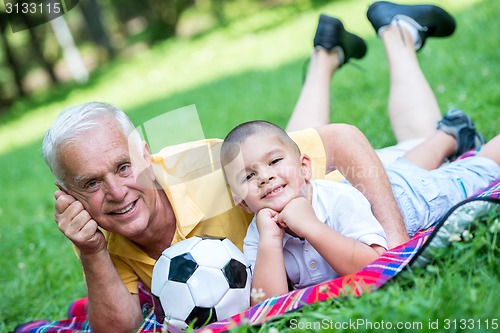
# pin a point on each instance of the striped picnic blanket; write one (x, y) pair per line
(370, 278)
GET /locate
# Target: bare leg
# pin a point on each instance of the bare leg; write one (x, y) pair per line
(413, 109)
(491, 149)
(313, 106)
(431, 153)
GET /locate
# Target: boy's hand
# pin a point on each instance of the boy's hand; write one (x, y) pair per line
(297, 215)
(267, 225)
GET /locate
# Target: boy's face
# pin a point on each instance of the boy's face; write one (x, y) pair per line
(268, 173)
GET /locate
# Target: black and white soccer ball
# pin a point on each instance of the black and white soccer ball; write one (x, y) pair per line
(201, 280)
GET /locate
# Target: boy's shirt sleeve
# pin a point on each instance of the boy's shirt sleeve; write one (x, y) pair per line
(251, 243)
(347, 211)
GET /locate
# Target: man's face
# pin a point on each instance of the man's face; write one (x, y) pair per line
(101, 174)
(267, 173)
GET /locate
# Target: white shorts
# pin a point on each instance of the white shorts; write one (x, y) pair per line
(424, 197)
(390, 154)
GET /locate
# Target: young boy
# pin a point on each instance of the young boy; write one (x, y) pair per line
(308, 231)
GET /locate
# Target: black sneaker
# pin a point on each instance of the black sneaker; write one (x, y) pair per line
(331, 34)
(430, 20)
(459, 125)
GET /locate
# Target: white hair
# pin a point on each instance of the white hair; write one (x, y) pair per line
(77, 120)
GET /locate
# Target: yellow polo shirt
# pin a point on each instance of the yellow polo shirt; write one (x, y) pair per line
(193, 180)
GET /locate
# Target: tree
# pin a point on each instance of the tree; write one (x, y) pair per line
(92, 15)
(9, 55)
(36, 46)
(162, 16)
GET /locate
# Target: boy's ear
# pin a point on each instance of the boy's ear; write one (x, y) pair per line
(306, 166)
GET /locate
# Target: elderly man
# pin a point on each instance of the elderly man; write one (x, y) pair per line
(121, 206)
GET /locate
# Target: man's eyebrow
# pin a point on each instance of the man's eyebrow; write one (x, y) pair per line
(123, 159)
(85, 178)
(82, 179)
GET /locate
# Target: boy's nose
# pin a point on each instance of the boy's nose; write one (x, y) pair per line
(266, 176)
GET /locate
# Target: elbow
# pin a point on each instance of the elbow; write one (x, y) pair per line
(340, 141)
(340, 131)
(117, 324)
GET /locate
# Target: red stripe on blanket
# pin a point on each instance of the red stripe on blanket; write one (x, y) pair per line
(368, 279)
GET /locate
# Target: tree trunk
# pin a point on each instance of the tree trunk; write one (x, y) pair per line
(37, 49)
(10, 57)
(92, 14)
(166, 16)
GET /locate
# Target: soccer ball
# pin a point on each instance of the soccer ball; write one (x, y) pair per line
(201, 280)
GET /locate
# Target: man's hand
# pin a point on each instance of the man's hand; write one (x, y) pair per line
(77, 224)
(108, 296)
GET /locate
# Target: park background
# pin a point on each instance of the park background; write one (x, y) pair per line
(235, 60)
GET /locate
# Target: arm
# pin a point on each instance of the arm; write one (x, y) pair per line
(343, 254)
(111, 306)
(269, 271)
(348, 151)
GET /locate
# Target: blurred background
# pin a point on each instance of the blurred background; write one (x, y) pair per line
(35, 55)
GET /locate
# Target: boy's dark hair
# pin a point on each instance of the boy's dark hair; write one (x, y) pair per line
(231, 145)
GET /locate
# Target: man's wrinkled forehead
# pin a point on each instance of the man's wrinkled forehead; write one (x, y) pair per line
(100, 147)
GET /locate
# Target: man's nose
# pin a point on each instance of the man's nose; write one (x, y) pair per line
(116, 188)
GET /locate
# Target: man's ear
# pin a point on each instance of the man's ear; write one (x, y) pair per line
(147, 156)
(146, 153)
(306, 166)
(145, 175)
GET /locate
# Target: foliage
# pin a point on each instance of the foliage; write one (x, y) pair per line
(247, 69)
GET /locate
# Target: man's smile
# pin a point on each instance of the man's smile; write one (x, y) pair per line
(125, 209)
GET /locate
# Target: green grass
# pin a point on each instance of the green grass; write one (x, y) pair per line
(249, 69)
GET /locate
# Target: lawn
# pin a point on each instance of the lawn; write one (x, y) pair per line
(252, 69)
